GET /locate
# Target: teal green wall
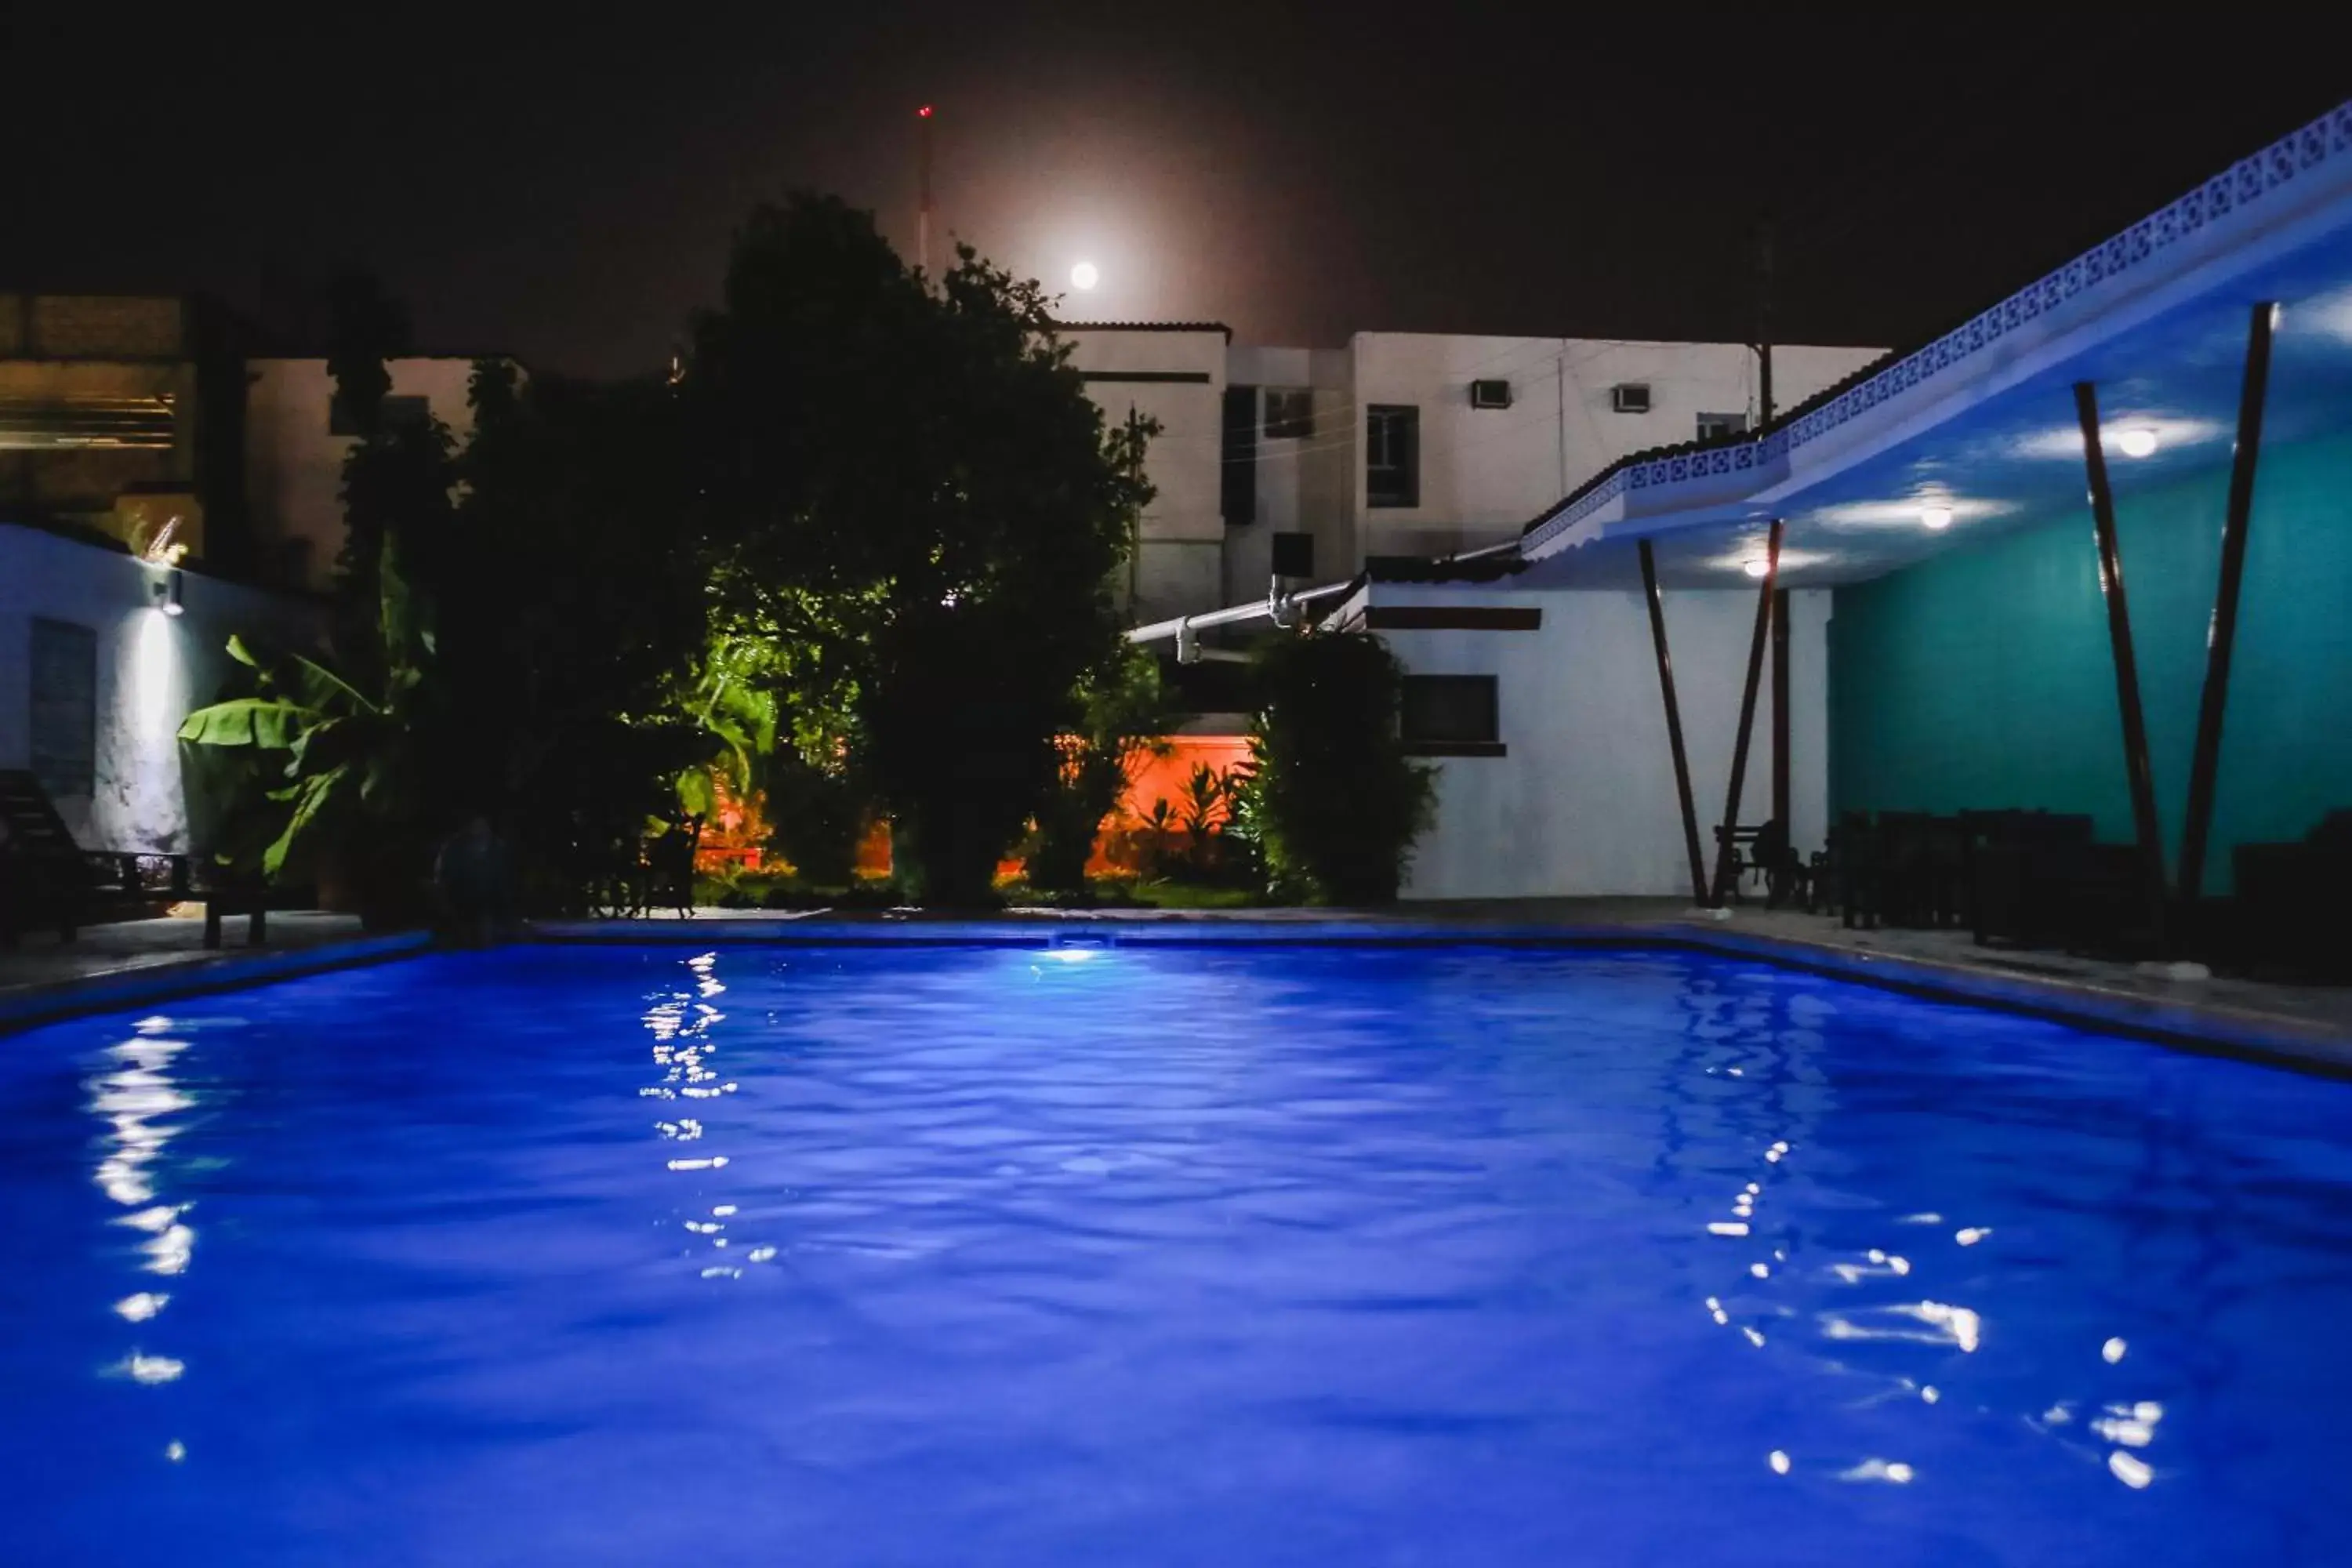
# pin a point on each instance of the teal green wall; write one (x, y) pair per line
(1983, 679)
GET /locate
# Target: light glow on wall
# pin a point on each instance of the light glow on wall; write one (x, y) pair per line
(2137, 442)
(139, 804)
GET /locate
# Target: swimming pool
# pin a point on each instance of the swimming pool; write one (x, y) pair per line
(1157, 1255)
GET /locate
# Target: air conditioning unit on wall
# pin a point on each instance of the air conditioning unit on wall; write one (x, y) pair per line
(1630, 398)
(1490, 394)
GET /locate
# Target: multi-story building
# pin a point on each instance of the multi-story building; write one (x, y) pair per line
(159, 489)
(1929, 558)
(295, 442)
(121, 416)
(1308, 463)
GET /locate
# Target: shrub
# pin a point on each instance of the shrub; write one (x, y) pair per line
(1334, 803)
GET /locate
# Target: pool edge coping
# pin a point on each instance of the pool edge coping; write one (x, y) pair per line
(2206, 1028)
(2185, 1023)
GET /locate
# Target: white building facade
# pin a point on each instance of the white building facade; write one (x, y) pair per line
(1400, 444)
(1405, 448)
(295, 447)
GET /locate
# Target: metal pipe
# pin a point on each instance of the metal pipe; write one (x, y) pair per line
(1674, 722)
(1747, 714)
(2205, 762)
(2139, 774)
(1235, 615)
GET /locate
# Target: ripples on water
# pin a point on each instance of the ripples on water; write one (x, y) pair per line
(1146, 1255)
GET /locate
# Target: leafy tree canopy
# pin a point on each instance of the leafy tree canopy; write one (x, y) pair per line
(914, 487)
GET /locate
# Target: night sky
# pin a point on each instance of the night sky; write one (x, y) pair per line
(566, 192)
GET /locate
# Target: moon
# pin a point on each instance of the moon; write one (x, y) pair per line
(1085, 275)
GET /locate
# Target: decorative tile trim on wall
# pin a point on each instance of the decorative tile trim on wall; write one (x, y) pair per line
(2235, 189)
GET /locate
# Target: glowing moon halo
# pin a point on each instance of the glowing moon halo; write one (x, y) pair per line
(1085, 275)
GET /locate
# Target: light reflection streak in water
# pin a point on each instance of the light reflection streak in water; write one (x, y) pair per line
(133, 1095)
(1945, 1326)
(681, 1023)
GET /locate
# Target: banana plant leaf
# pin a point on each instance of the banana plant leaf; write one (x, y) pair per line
(311, 797)
(268, 722)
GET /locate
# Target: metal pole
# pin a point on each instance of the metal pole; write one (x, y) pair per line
(1780, 710)
(2221, 641)
(1674, 722)
(1764, 322)
(1721, 887)
(923, 206)
(2139, 774)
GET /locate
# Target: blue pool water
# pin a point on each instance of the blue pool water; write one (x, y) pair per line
(1233, 1256)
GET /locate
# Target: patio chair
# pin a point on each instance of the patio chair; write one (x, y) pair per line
(669, 865)
(1787, 876)
(2287, 914)
(1854, 861)
(45, 877)
(2036, 879)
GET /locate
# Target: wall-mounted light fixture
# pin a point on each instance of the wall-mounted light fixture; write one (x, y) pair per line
(164, 591)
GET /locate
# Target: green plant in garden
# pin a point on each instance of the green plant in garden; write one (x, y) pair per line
(1124, 710)
(351, 770)
(1335, 802)
(1202, 811)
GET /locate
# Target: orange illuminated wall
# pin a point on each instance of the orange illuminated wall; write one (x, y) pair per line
(1163, 777)
(739, 830)
(1155, 779)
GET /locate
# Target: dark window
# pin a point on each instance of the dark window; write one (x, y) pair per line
(64, 670)
(1392, 456)
(1630, 398)
(1714, 426)
(1289, 413)
(1294, 555)
(1490, 394)
(403, 413)
(1238, 472)
(1451, 715)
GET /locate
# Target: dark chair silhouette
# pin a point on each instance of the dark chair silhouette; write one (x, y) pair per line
(45, 877)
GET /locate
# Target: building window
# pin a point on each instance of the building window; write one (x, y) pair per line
(1294, 555)
(1391, 455)
(1451, 716)
(1715, 426)
(1289, 413)
(1238, 472)
(1630, 398)
(1490, 394)
(64, 678)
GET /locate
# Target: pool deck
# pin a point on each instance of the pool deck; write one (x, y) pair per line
(2305, 1026)
(133, 963)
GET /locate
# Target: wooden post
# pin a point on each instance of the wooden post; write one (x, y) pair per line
(2140, 776)
(2205, 764)
(1765, 591)
(1780, 711)
(1674, 722)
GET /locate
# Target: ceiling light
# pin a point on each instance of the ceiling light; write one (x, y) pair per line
(1936, 516)
(2137, 443)
(1758, 567)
